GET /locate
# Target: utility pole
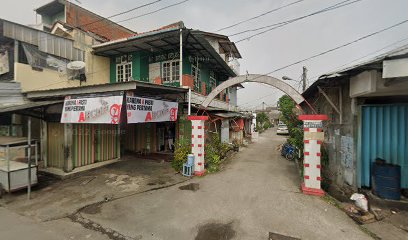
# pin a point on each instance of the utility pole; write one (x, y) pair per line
(304, 78)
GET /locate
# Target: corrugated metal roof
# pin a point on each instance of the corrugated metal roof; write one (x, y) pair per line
(393, 53)
(228, 115)
(138, 87)
(26, 105)
(46, 42)
(398, 52)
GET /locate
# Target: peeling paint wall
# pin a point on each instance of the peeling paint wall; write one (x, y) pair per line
(340, 137)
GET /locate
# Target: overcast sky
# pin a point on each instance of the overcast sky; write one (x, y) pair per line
(277, 48)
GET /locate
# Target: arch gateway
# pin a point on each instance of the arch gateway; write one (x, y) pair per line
(312, 127)
(274, 82)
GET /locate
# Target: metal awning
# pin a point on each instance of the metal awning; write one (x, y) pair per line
(166, 40)
(228, 115)
(11, 141)
(26, 106)
(137, 87)
(230, 48)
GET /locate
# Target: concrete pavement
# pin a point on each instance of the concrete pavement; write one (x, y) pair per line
(257, 193)
(17, 227)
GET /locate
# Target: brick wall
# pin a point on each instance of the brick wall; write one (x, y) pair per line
(82, 18)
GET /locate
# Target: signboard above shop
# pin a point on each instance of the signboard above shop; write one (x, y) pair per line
(141, 110)
(101, 109)
(107, 109)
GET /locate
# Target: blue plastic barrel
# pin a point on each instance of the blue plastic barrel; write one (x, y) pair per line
(387, 181)
(190, 159)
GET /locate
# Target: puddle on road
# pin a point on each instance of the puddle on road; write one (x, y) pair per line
(92, 209)
(192, 187)
(215, 231)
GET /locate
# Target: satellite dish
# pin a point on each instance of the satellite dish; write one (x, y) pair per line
(76, 65)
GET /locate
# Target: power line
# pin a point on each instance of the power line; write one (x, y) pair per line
(357, 59)
(279, 24)
(124, 20)
(246, 103)
(284, 23)
(155, 11)
(337, 5)
(338, 47)
(328, 51)
(258, 16)
(121, 13)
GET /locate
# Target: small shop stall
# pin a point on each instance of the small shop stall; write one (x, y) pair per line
(14, 164)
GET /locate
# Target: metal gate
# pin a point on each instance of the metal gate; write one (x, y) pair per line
(55, 142)
(383, 134)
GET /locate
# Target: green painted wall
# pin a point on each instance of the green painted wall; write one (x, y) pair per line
(140, 70)
(140, 67)
(112, 70)
(205, 77)
(144, 67)
(186, 66)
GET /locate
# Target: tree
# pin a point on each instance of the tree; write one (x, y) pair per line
(262, 120)
(288, 115)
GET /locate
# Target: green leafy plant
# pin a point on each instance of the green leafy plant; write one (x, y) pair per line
(325, 166)
(288, 115)
(181, 152)
(215, 151)
(267, 125)
(259, 128)
(262, 122)
(213, 162)
(235, 144)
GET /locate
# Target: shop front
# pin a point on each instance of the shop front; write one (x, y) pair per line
(97, 126)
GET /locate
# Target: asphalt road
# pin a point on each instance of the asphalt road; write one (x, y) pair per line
(256, 194)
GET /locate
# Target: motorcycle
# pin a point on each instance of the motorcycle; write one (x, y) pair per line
(288, 151)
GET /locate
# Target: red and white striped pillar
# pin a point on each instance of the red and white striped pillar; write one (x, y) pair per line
(197, 142)
(313, 138)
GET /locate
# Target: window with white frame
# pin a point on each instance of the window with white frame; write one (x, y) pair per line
(170, 71)
(196, 73)
(123, 72)
(124, 68)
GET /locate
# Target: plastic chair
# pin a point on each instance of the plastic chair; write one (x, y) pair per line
(188, 167)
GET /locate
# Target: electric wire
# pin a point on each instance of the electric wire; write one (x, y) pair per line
(258, 16)
(360, 58)
(333, 49)
(284, 23)
(332, 7)
(124, 20)
(120, 13)
(155, 11)
(338, 47)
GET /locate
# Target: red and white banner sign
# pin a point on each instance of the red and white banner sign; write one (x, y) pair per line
(141, 110)
(104, 109)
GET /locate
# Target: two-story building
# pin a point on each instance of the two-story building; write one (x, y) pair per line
(71, 55)
(178, 57)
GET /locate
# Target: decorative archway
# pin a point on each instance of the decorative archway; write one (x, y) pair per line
(279, 84)
(312, 124)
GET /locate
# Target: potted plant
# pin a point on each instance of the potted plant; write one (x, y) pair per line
(235, 144)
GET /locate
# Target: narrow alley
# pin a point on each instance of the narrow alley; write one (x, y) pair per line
(257, 193)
